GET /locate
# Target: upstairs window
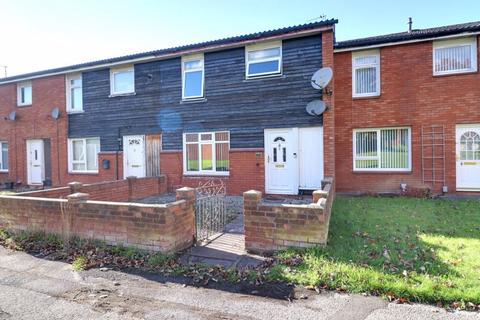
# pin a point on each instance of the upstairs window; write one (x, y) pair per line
(24, 94)
(192, 77)
(83, 154)
(3, 156)
(455, 56)
(206, 153)
(264, 60)
(386, 149)
(74, 93)
(122, 81)
(366, 73)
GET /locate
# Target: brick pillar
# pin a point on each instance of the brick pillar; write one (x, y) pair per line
(251, 199)
(186, 228)
(75, 187)
(131, 186)
(78, 197)
(329, 114)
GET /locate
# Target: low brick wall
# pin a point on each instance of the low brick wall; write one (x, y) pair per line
(130, 189)
(158, 227)
(270, 227)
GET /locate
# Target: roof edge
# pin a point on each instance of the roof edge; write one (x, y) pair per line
(213, 45)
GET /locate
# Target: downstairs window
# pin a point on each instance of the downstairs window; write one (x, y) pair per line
(83, 155)
(3, 156)
(387, 149)
(206, 153)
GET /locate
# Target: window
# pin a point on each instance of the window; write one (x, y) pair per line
(192, 77)
(3, 156)
(206, 153)
(470, 146)
(455, 56)
(74, 93)
(122, 81)
(366, 73)
(24, 94)
(82, 155)
(386, 149)
(264, 59)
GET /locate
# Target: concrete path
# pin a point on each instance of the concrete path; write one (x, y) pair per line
(226, 249)
(32, 288)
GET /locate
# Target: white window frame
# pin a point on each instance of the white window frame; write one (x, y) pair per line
(186, 59)
(214, 154)
(442, 44)
(264, 46)
(1, 163)
(69, 87)
(378, 156)
(359, 54)
(114, 71)
(19, 93)
(70, 156)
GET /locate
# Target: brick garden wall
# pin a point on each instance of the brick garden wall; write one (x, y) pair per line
(168, 227)
(270, 227)
(247, 171)
(130, 189)
(410, 96)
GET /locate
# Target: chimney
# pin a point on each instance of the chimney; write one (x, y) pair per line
(410, 22)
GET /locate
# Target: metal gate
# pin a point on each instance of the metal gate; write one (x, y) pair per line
(210, 209)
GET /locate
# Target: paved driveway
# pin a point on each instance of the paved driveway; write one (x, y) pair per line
(32, 288)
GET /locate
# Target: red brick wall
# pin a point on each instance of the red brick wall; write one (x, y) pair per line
(329, 115)
(153, 227)
(247, 171)
(270, 227)
(35, 122)
(130, 189)
(410, 96)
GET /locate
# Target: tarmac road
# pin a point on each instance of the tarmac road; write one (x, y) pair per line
(33, 288)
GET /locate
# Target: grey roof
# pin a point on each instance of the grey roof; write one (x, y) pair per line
(173, 50)
(416, 34)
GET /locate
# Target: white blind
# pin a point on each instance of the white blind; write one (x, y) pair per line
(382, 149)
(365, 74)
(453, 58)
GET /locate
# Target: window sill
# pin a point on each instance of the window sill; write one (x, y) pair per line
(454, 73)
(193, 100)
(83, 172)
(126, 94)
(24, 105)
(373, 96)
(3, 171)
(214, 174)
(75, 112)
(265, 77)
(382, 172)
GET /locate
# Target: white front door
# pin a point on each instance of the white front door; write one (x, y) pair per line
(134, 156)
(310, 155)
(468, 157)
(281, 161)
(35, 162)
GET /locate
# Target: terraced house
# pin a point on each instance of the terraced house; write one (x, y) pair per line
(402, 114)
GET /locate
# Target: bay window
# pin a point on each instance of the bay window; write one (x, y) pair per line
(385, 149)
(83, 155)
(206, 153)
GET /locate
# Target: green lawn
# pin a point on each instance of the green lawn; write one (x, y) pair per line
(421, 250)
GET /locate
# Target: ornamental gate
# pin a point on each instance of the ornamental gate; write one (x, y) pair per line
(210, 209)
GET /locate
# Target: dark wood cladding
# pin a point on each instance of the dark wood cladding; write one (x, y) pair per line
(244, 107)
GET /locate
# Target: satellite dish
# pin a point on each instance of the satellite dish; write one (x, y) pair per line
(12, 116)
(321, 78)
(316, 107)
(55, 113)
